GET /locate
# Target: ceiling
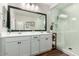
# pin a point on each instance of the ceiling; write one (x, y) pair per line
(43, 7)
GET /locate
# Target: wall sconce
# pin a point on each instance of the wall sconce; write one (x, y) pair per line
(51, 27)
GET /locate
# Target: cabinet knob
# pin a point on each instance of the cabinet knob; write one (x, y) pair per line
(35, 37)
(46, 38)
(19, 42)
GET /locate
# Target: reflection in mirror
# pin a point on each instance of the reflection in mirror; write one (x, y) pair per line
(25, 20)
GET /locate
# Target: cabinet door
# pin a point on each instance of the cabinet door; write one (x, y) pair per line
(12, 49)
(45, 43)
(34, 46)
(25, 47)
(48, 41)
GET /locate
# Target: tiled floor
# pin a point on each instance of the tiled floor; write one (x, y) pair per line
(54, 52)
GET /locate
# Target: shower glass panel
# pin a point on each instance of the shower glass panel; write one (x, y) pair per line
(68, 29)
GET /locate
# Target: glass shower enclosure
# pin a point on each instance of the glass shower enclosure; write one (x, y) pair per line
(68, 29)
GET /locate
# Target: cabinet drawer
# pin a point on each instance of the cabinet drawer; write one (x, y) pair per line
(11, 39)
(46, 36)
(36, 37)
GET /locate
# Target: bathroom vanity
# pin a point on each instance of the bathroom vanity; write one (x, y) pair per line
(25, 45)
(26, 33)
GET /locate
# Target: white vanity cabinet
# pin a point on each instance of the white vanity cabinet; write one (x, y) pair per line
(45, 42)
(25, 45)
(41, 43)
(16, 46)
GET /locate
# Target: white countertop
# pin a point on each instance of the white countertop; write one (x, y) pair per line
(14, 34)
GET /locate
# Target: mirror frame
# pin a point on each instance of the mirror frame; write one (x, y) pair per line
(8, 19)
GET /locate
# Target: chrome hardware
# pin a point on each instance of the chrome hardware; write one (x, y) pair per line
(46, 38)
(35, 37)
(19, 42)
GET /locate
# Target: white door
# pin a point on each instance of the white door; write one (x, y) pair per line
(45, 43)
(12, 49)
(24, 48)
(35, 46)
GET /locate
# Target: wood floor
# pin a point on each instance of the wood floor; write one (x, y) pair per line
(54, 52)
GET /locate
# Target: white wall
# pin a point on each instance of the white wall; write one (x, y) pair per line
(3, 17)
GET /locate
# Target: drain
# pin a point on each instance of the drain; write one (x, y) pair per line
(70, 48)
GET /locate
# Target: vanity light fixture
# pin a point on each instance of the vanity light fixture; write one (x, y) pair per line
(30, 6)
(27, 6)
(23, 5)
(36, 8)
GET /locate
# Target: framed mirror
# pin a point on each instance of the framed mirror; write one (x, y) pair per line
(24, 20)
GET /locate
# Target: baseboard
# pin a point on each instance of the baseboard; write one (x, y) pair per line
(67, 52)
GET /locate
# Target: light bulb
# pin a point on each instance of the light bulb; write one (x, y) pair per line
(28, 6)
(36, 8)
(32, 7)
(23, 5)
